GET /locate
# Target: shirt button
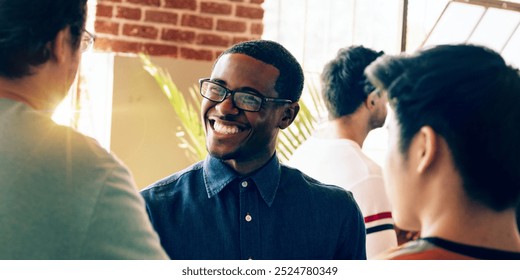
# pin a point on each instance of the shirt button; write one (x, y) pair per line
(248, 218)
(244, 184)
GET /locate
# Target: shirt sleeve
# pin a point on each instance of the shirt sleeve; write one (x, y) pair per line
(119, 227)
(353, 233)
(377, 213)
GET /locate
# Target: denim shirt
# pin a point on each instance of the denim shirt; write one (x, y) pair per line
(208, 211)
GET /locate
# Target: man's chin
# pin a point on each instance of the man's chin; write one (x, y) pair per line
(223, 155)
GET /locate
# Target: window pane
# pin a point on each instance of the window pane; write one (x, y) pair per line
(510, 52)
(285, 23)
(422, 15)
(495, 28)
(378, 25)
(314, 30)
(456, 25)
(328, 28)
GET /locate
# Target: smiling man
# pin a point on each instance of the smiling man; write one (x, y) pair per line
(240, 202)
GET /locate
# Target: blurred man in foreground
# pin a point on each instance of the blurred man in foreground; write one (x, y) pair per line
(453, 167)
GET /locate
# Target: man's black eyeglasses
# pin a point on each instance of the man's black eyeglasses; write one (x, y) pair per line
(243, 100)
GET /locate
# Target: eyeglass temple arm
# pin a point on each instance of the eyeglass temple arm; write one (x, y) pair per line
(278, 100)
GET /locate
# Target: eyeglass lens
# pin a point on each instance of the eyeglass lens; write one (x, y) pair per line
(242, 100)
(87, 40)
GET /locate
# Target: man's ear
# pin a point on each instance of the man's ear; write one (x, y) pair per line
(427, 148)
(289, 114)
(58, 46)
(370, 101)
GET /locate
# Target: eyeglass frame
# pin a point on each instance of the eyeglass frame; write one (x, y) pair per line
(232, 93)
(87, 38)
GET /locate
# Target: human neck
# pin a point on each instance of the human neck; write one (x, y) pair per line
(249, 166)
(13, 96)
(473, 224)
(442, 207)
(353, 127)
(28, 91)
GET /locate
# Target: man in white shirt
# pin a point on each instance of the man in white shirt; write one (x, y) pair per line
(333, 153)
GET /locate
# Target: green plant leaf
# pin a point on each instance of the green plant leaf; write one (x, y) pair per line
(191, 133)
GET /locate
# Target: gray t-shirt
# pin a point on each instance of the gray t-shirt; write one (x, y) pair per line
(62, 196)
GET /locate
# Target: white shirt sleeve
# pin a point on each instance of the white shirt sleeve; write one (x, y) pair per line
(377, 212)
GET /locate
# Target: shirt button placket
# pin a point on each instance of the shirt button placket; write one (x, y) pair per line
(249, 230)
(248, 217)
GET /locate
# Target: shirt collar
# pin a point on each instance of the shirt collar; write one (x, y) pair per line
(218, 175)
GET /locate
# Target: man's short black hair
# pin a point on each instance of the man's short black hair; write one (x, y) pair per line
(289, 84)
(26, 26)
(343, 82)
(471, 98)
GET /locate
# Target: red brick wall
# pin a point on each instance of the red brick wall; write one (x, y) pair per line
(188, 29)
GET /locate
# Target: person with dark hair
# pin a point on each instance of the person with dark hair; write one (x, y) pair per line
(241, 202)
(453, 166)
(333, 153)
(62, 195)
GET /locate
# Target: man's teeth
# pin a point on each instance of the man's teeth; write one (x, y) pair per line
(225, 129)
